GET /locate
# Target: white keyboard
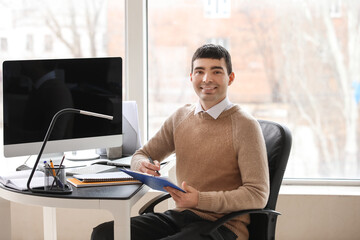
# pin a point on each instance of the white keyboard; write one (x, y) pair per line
(95, 168)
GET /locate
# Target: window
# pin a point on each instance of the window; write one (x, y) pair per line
(67, 29)
(217, 8)
(3, 44)
(335, 9)
(29, 42)
(48, 43)
(293, 63)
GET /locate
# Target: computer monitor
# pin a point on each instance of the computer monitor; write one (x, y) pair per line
(34, 90)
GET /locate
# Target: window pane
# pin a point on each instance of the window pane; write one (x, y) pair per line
(47, 29)
(296, 62)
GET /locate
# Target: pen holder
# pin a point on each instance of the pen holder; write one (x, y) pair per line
(55, 179)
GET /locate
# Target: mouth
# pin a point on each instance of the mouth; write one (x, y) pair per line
(208, 89)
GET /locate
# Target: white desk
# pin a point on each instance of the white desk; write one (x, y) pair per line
(116, 199)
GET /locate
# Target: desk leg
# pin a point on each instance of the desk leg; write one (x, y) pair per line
(49, 218)
(121, 211)
(122, 223)
(5, 220)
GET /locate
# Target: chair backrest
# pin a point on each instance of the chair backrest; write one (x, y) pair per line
(278, 144)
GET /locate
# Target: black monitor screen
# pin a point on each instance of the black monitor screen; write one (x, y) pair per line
(34, 90)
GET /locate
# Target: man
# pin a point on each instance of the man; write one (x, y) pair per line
(221, 160)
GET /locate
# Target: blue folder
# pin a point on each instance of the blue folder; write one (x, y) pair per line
(157, 183)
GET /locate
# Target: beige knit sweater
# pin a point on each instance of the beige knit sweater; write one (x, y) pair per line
(224, 159)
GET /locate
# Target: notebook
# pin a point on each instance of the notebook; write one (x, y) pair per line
(157, 183)
(103, 177)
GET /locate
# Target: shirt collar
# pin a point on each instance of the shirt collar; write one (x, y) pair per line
(216, 110)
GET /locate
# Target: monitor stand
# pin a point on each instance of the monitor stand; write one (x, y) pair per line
(82, 155)
(54, 157)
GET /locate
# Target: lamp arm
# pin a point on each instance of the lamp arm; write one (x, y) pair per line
(51, 126)
(46, 138)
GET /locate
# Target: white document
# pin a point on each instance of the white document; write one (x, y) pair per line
(18, 180)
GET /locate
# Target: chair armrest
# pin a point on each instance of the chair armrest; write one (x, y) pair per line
(149, 206)
(219, 222)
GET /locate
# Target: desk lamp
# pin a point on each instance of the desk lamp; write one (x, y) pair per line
(67, 189)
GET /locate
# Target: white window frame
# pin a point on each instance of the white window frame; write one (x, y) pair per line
(136, 60)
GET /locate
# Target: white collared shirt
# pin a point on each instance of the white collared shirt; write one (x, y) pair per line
(216, 110)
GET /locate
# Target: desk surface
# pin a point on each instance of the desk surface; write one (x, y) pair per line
(114, 192)
(116, 199)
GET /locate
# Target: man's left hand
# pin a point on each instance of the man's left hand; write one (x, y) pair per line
(189, 199)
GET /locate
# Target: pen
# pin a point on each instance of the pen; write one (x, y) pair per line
(152, 162)
(55, 176)
(61, 163)
(57, 173)
(46, 164)
(52, 166)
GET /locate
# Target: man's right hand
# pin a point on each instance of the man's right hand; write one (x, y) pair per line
(149, 168)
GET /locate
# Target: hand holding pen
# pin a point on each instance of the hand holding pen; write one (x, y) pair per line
(152, 162)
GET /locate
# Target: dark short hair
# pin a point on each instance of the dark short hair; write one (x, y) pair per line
(214, 52)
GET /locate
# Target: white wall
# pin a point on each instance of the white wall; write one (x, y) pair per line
(316, 215)
(319, 212)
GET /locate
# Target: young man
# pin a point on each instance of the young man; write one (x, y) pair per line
(221, 160)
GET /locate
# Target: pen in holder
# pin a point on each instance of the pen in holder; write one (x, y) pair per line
(55, 179)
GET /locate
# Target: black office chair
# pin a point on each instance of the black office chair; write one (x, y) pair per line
(263, 221)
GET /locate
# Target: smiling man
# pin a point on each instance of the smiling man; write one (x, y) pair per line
(211, 78)
(220, 160)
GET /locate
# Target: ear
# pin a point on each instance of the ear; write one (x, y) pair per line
(231, 78)
(191, 77)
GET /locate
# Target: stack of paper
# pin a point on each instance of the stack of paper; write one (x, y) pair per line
(102, 179)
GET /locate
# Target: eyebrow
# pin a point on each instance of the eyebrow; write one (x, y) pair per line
(212, 68)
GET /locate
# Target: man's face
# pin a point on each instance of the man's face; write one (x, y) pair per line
(210, 80)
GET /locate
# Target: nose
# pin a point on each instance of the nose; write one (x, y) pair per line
(206, 78)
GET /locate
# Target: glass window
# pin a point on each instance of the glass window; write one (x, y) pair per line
(217, 8)
(48, 43)
(29, 42)
(3, 44)
(294, 63)
(61, 29)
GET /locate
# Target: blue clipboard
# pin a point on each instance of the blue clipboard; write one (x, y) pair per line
(157, 183)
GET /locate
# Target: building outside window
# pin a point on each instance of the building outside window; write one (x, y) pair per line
(217, 8)
(48, 43)
(294, 64)
(335, 9)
